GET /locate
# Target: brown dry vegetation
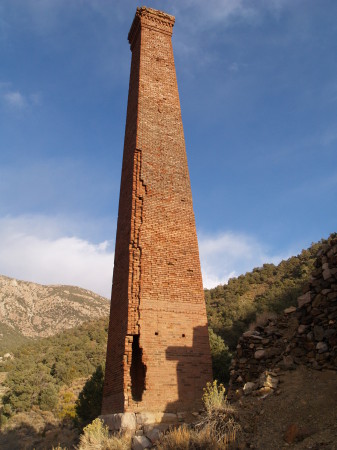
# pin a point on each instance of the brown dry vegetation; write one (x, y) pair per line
(96, 436)
(37, 430)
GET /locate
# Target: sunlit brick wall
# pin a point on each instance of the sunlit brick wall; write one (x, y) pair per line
(158, 356)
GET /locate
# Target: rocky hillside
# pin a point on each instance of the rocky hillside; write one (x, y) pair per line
(306, 334)
(233, 307)
(30, 310)
(285, 367)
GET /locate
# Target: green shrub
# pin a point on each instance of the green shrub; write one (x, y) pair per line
(29, 386)
(214, 396)
(3, 420)
(96, 431)
(67, 406)
(219, 419)
(221, 357)
(96, 437)
(48, 397)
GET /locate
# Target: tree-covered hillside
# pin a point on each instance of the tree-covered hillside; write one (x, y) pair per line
(231, 308)
(41, 371)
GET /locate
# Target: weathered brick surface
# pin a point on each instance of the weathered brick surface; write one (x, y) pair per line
(158, 356)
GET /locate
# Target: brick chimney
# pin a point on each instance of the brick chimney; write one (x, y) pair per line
(158, 356)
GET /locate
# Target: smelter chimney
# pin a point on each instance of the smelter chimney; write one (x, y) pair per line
(158, 356)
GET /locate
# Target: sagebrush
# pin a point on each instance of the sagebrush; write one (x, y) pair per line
(96, 437)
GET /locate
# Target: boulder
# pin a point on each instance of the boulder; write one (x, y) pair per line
(140, 442)
(260, 354)
(304, 299)
(248, 388)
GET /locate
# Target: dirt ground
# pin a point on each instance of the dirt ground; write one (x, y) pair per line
(302, 416)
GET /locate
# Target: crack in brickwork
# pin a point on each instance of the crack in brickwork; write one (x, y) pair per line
(139, 189)
(135, 274)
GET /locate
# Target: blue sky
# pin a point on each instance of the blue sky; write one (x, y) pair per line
(258, 91)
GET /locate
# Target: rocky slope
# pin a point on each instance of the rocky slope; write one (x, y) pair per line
(284, 374)
(30, 310)
(302, 414)
(303, 335)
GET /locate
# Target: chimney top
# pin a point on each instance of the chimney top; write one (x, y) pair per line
(153, 19)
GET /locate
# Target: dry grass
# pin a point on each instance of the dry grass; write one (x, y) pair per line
(219, 420)
(96, 437)
(215, 431)
(221, 426)
(36, 420)
(178, 438)
(184, 438)
(37, 430)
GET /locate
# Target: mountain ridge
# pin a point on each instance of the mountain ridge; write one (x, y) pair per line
(30, 310)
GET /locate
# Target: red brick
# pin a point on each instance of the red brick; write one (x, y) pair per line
(158, 315)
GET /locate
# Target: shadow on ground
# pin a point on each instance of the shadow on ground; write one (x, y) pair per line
(24, 436)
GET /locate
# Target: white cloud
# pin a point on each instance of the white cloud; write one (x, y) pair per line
(231, 254)
(28, 253)
(200, 27)
(38, 248)
(216, 11)
(222, 10)
(15, 100)
(226, 12)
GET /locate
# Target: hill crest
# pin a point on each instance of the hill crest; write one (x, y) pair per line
(32, 310)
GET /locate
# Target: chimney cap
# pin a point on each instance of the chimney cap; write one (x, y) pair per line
(151, 18)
